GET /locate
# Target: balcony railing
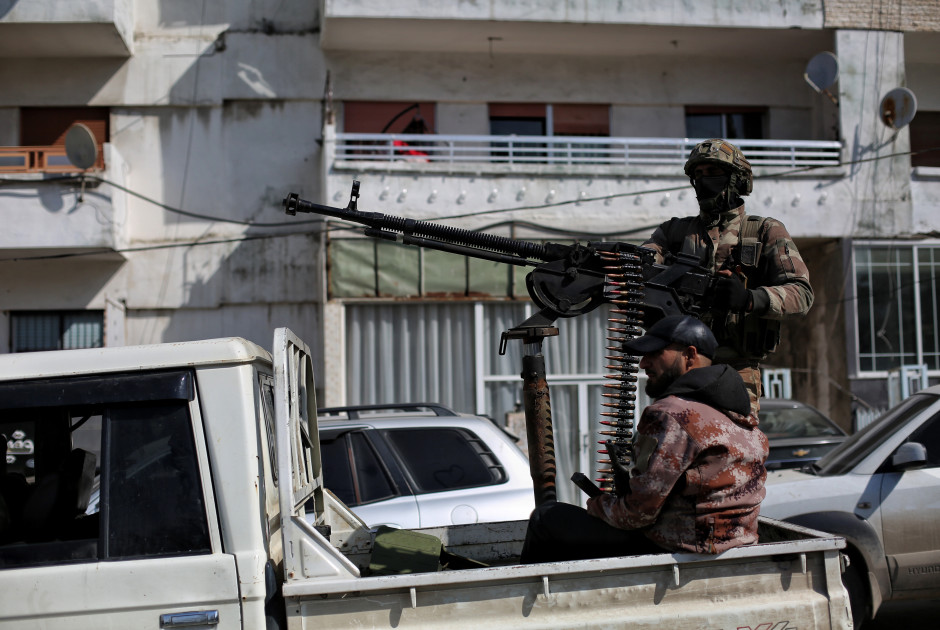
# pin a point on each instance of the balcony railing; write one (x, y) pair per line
(570, 150)
(50, 159)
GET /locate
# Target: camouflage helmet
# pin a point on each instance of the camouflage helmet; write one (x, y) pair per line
(727, 156)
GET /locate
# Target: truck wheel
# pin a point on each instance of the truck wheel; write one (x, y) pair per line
(855, 579)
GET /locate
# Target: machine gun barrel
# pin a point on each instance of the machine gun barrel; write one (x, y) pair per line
(423, 233)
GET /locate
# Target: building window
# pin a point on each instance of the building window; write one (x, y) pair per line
(925, 134)
(388, 117)
(536, 119)
(580, 120)
(56, 330)
(898, 301)
(519, 119)
(725, 122)
(42, 138)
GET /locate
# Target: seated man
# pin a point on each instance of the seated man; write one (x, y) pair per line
(698, 477)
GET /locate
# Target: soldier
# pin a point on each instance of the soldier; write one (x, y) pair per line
(699, 474)
(763, 279)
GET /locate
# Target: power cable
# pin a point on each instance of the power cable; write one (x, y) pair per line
(560, 231)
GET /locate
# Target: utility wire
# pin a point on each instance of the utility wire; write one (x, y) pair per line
(71, 179)
(145, 248)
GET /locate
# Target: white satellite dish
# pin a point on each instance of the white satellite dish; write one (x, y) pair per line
(81, 148)
(898, 108)
(821, 73)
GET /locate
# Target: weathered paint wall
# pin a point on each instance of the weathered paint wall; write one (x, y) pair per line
(206, 118)
(889, 15)
(872, 63)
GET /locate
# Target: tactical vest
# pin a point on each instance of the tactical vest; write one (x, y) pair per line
(746, 339)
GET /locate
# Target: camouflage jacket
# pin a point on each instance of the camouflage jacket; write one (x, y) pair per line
(777, 274)
(699, 475)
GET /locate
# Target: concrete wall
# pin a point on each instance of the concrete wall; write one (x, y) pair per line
(890, 15)
(211, 130)
(766, 13)
(871, 63)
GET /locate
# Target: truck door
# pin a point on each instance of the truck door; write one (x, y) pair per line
(115, 526)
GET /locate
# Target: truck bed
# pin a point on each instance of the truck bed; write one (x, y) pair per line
(790, 580)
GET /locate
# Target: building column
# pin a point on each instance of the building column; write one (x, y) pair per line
(871, 63)
(334, 354)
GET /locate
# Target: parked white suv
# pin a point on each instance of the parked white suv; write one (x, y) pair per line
(423, 465)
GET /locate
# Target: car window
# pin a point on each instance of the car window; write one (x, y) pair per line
(445, 459)
(337, 470)
(352, 469)
(373, 481)
(929, 435)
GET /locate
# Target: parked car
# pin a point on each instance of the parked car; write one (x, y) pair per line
(880, 490)
(423, 465)
(798, 434)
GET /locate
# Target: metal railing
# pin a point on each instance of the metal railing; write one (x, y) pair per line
(50, 159)
(377, 147)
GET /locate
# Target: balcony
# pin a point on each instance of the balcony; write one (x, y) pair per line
(65, 28)
(570, 150)
(39, 160)
(46, 212)
(594, 184)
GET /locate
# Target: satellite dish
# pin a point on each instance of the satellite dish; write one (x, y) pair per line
(898, 108)
(821, 73)
(81, 148)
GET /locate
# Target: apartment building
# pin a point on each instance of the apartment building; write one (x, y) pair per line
(541, 120)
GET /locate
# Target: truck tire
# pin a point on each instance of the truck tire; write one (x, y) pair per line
(855, 580)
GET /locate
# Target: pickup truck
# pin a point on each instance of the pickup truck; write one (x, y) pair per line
(206, 459)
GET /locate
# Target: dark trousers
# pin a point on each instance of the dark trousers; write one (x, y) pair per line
(561, 531)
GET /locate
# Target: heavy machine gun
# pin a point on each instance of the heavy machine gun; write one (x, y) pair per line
(567, 280)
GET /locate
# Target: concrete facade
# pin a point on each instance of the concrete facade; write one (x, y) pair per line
(216, 113)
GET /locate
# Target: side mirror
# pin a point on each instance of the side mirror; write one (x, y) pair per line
(909, 455)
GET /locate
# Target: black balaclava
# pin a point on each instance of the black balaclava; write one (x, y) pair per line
(715, 194)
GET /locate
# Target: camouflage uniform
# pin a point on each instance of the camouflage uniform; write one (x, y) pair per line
(699, 474)
(777, 273)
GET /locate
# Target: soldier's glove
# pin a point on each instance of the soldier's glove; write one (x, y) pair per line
(731, 293)
(621, 472)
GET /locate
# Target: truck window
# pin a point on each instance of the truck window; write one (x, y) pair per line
(153, 494)
(103, 482)
(446, 459)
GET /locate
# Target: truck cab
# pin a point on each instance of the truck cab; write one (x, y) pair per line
(129, 425)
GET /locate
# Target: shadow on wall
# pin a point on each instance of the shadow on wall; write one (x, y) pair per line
(227, 151)
(253, 287)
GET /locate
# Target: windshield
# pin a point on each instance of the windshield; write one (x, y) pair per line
(841, 459)
(795, 421)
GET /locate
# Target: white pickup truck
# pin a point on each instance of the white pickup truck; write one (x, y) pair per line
(205, 454)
